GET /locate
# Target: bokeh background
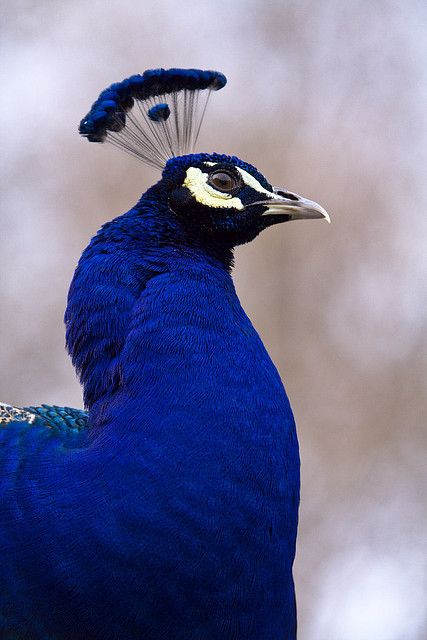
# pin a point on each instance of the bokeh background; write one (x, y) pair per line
(329, 100)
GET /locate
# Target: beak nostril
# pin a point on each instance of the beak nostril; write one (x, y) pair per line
(286, 194)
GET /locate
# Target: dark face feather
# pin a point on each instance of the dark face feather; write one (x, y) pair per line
(209, 195)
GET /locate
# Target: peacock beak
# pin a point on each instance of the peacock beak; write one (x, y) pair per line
(294, 206)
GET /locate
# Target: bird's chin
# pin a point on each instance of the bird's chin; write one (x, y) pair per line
(268, 220)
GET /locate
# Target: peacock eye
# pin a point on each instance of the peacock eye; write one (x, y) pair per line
(224, 181)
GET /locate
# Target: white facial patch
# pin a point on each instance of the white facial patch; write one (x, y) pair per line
(196, 182)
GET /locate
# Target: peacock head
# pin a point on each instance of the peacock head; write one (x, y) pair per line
(223, 199)
(216, 198)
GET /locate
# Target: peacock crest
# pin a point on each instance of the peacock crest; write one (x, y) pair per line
(154, 116)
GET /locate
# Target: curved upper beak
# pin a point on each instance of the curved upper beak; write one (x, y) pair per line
(294, 206)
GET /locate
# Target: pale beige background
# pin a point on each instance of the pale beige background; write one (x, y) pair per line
(327, 98)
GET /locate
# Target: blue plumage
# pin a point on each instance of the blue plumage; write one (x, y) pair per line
(159, 112)
(169, 510)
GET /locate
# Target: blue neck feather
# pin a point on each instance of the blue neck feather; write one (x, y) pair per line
(110, 279)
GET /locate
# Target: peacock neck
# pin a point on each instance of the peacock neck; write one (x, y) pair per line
(190, 357)
(137, 285)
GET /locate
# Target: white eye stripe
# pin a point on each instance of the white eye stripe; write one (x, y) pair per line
(250, 181)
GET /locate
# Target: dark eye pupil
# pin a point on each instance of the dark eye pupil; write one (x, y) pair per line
(222, 181)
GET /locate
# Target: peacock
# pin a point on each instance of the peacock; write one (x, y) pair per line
(168, 509)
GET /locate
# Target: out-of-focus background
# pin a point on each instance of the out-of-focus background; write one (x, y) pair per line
(329, 100)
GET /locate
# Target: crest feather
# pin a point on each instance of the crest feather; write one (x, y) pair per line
(153, 116)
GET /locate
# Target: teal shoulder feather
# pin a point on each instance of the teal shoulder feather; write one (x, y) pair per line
(65, 419)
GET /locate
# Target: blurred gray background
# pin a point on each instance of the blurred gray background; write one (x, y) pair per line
(329, 100)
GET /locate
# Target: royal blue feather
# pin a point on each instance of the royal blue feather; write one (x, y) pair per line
(159, 112)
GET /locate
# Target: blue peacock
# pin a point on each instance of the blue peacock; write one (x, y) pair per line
(168, 510)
